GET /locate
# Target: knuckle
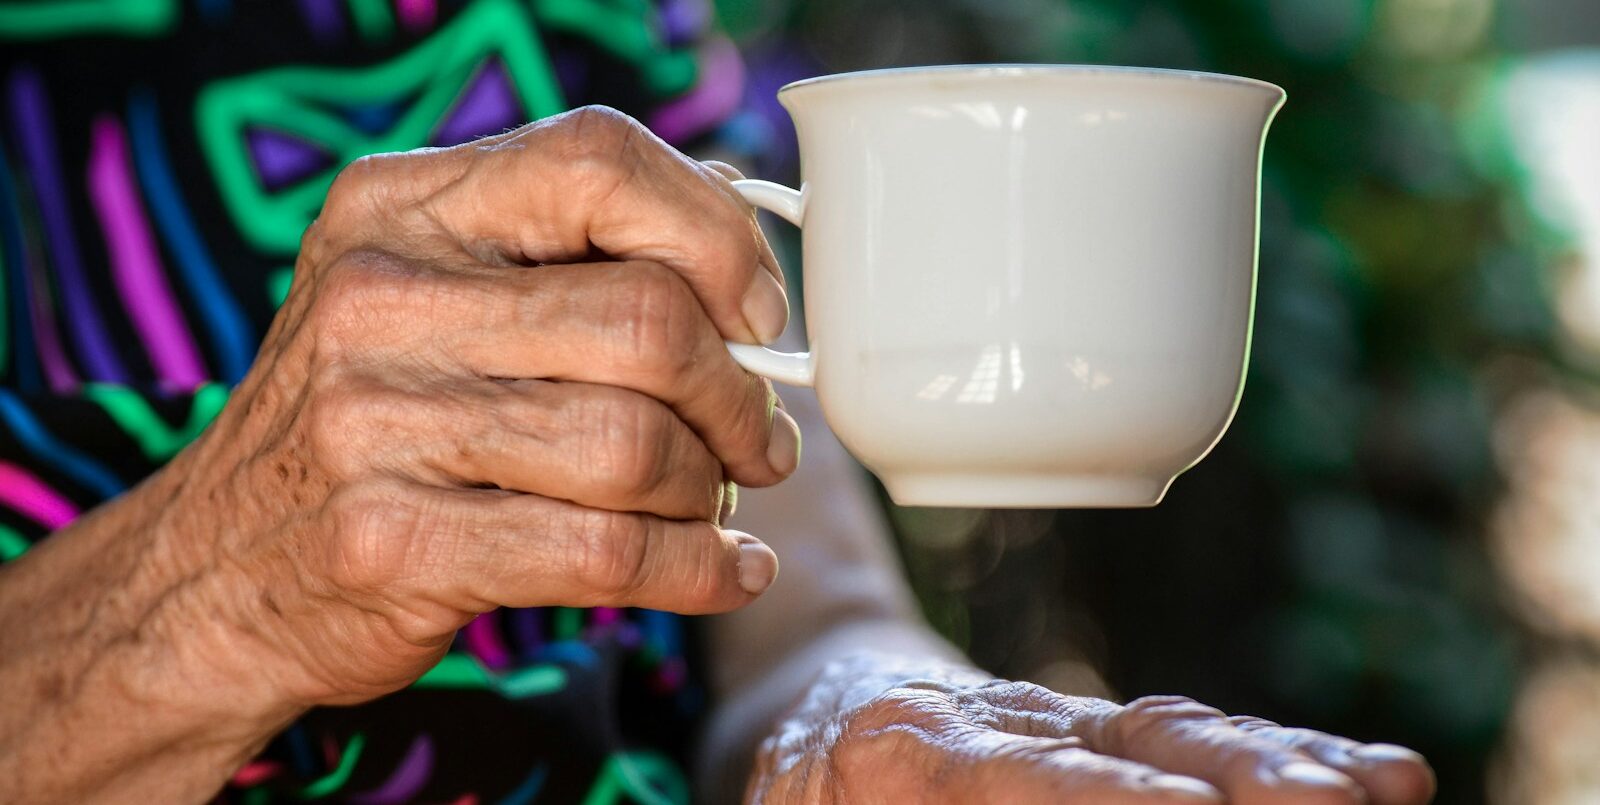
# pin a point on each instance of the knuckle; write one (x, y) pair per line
(1139, 718)
(629, 438)
(599, 145)
(1252, 723)
(657, 313)
(371, 525)
(1021, 694)
(900, 706)
(356, 294)
(360, 188)
(341, 408)
(611, 553)
(597, 122)
(749, 419)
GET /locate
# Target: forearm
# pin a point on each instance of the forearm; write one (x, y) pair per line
(114, 687)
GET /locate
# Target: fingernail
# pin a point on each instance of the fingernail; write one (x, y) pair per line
(758, 565)
(783, 447)
(1386, 753)
(765, 307)
(1186, 787)
(1314, 775)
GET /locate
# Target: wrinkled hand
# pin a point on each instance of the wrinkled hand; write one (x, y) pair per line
(865, 734)
(499, 380)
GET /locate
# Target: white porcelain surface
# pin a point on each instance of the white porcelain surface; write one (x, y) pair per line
(1025, 286)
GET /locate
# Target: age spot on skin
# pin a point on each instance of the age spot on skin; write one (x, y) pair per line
(50, 687)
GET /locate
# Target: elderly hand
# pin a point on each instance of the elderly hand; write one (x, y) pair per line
(871, 733)
(499, 380)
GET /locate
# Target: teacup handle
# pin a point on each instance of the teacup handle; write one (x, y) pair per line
(794, 368)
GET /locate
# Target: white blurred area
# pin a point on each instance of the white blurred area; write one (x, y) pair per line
(1552, 739)
(1552, 108)
(1546, 530)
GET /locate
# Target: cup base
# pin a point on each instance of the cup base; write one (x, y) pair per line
(1029, 491)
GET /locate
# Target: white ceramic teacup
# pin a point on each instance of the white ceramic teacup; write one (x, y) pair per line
(1024, 285)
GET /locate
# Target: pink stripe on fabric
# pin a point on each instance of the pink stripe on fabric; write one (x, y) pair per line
(29, 496)
(135, 264)
(483, 640)
(714, 97)
(256, 773)
(416, 15)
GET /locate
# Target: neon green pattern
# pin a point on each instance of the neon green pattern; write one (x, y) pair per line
(43, 20)
(373, 19)
(336, 779)
(12, 544)
(297, 101)
(644, 777)
(157, 440)
(464, 672)
(278, 283)
(626, 29)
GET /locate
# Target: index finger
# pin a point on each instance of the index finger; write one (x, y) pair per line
(591, 179)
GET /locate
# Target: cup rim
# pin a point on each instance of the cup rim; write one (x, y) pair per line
(987, 71)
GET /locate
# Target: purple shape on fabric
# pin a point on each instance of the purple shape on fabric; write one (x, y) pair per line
(572, 72)
(526, 631)
(282, 159)
(136, 267)
(487, 106)
(482, 635)
(58, 370)
(629, 636)
(324, 18)
(408, 778)
(670, 675)
(769, 69)
(713, 99)
(683, 20)
(416, 15)
(36, 137)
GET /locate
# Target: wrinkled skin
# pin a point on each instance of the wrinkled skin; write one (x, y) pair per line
(499, 380)
(434, 429)
(867, 733)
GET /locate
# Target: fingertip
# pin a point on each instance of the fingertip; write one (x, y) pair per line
(758, 565)
(1310, 782)
(783, 447)
(765, 307)
(1183, 789)
(728, 171)
(1393, 775)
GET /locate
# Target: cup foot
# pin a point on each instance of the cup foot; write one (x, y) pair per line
(1029, 491)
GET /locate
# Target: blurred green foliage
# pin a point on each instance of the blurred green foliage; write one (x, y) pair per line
(1326, 566)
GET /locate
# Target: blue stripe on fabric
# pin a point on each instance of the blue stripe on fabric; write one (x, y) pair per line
(24, 358)
(68, 460)
(529, 788)
(230, 330)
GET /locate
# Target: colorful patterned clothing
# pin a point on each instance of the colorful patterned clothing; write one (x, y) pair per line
(159, 160)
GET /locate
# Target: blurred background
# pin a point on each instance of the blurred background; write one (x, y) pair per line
(1399, 538)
